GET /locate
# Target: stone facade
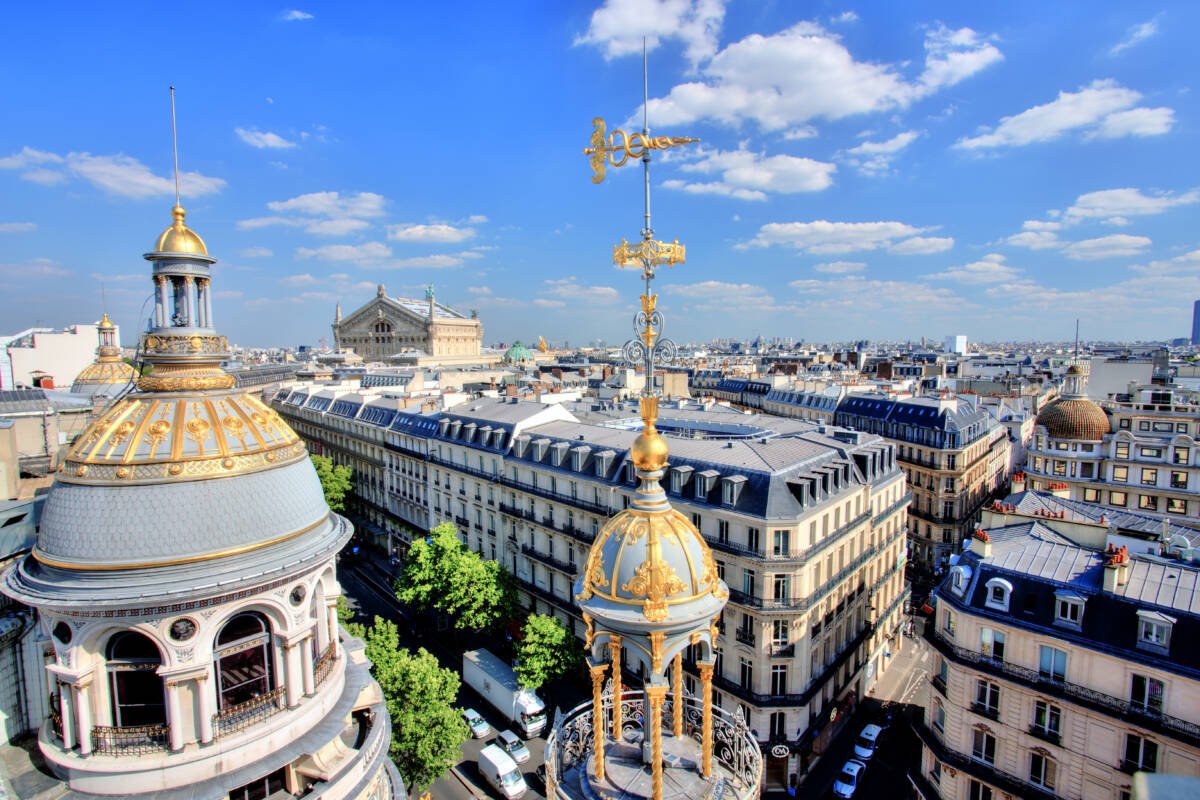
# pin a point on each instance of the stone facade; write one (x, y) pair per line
(395, 326)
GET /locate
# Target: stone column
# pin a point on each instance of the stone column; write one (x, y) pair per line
(65, 700)
(306, 665)
(293, 682)
(189, 300)
(206, 695)
(206, 306)
(174, 716)
(200, 303)
(598, 737)
(331, 616)
(655, 695)
(614, 646)
(706, 744)
(83, 710)
(677, 685)
(162, 308)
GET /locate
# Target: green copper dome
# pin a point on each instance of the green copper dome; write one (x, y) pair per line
(518, 354)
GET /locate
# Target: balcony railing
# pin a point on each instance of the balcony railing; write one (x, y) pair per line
(980, 770)
(991, 712)
(745, 636)
(904, 500)
(134, 740)
(56, 716)
(241, 716)
(1129, 767)
(783, 649)
(548, 560)
(938, 683)
(1045, 734)
(323, 667)
(1181, 729)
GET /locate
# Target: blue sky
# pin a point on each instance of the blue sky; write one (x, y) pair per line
(866, 170)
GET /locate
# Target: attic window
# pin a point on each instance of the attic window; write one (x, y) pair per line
(731, 488)
(578, 456)
(960, 576)
(704, 482)
(679, 476)
(1154, 631)
(558, 451)
(1068, 609)
(539, 449)
(999, 591)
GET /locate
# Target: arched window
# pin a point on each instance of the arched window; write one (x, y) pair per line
(136, 686)
(243, 659)
(999, 591)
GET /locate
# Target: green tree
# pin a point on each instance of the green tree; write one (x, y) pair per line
(440, 573)
(427, 730)
(546, 651)
(335, 481)
(345, 616)
(430, 563)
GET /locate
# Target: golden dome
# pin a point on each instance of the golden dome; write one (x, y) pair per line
(103, 372)
(649, 450)
(1074, 369)
(152, 438)
(179, 238)
(1074, 418)
(106, 323)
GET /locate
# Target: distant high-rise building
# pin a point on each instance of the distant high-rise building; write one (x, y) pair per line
(1196, 323)
(956, 344)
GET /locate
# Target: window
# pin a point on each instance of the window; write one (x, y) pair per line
(939, 715)
(779, 632)
(243, 660)
(948, 622)
(723, 531)
(779, 679)
(748, 582)
(746, 678)
(1151, 452)
(778, 725)
(1149, 476)
(1148, 502)
(1120, 474)
(1124, 424)
(136, 686)
(1091, 495)
(998, 592)
(983, 748)
(1041, 771)
(1117, 499)
(1175, 506)
(782, 587)
(1069, 609)
(1047, 718)
(1146, 694)
(991, 644)
(1178, 479)
(1143, 425)
(1121, 450)
(1154, 630)
(752, 539)
(1052, 663)
(1140, 754)
(781, 544)
(1179, 455)
(979, 791)
(987, 698)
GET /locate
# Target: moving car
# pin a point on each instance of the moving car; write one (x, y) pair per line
(501, 772)
(848, 778)
(477, 724)
(511, 744)
(868, 739)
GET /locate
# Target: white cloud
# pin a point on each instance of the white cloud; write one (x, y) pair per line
(844, 17)
(1126, 202)
(35, 268)
(922, 246)
(840, 267)
(438, 232)
(800, 133)
(1186, 264)
(989, 269)
(439, 261)
(721, 297)
(1041, 225)
(571, 289)
(1119, 222)
(784, 80)
(305, 279)
(875, 158)
(1113, 246)
(823, 236)
(1035, 239)
(295, 15)
(855, 295)
(368, 253)
(477, 219)
(263, 139)
(750, 176)
(619, 26)
(322, 213)
(120, 175)
(1136, 35)
(256, 252)
(1102, 109)
(17, 227)
(542, 302)
(229, 294)
(335, 227)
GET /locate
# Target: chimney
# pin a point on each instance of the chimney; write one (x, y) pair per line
(981, 544)
(1110, 576)
(1018, 482)
(1060, 490)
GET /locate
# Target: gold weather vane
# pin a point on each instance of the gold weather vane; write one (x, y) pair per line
(175, 146)
(604, 149)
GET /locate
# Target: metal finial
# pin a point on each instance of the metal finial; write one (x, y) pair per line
(175, 145)
(647, 231)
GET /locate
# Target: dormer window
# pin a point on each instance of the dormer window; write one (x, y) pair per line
(731, 487)
(960, 576)
(1154, 631)
(999, 591)
(1068, 609)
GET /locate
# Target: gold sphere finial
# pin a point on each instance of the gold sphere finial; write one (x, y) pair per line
(649, 450)
(105, 322)
(179, 238)
(179, 214)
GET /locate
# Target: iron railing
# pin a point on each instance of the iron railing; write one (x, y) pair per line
(241, 716)
(134, 740)
(980, 770)
(324, 664)
(56, 722)
(549, 560)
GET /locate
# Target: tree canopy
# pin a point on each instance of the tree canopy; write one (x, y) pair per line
(427, 729)
(335, 481)
(546, 651)
(441, 573)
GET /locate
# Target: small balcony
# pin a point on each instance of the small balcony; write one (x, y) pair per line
(1046, 735)
(991, 712)
(745, 636)
(241, 716)
(939, 683)
(783, 649)
(135, 740)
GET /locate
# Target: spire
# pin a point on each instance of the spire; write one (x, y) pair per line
(337, 314)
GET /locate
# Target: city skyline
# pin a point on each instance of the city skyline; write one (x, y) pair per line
(346, 147)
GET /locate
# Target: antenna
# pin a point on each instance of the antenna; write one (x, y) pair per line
(1076, 341)
(175, 145)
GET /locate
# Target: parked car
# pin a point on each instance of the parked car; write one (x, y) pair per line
(510, 743)
(848, 778)
(499, 770)
(868, 738)
(478, 725)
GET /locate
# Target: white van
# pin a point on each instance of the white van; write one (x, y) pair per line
(498, 769)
